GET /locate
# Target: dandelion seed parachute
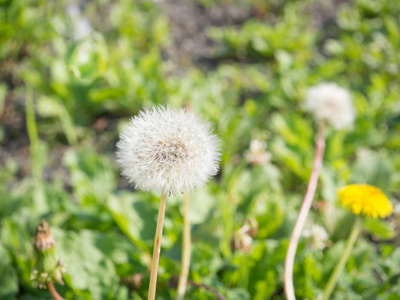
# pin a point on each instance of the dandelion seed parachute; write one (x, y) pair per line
(328, 101)
(168, 150)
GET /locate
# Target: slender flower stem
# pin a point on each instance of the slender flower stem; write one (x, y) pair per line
(33, 134)
(157, 247)
(305, 208)
(53, 292)
(244, 272)
(355, 231)
(186, 249)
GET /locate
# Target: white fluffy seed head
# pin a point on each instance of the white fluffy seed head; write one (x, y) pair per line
(257, 154)
(316, 236)
(168, 150)
(328, 101)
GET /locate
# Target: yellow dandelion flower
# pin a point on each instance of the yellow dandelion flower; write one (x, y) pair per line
(366, 200)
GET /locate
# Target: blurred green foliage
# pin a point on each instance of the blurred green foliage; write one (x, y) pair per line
(76, 73)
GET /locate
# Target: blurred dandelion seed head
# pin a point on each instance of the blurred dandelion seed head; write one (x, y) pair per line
(81, 25)
(257, 153)
(168, 150)
(328, 101)
(316, 236)
(366, 200)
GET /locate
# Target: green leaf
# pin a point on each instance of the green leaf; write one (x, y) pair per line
(15, 237)
(372, 168)
(237, 294)
(88, 269)
(269, 214)
(135, 215)
(91, 174)
(202, 204)
(379, 228)
(8, 276)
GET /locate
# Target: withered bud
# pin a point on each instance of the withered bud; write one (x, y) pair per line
(49, 268)
(250, 225)
(43, 239)
(59, 271)
(243, 237)
(241, 241)
(187, 107)
(133, 282)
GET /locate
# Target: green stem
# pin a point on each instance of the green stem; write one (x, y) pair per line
(355, 231)
(157, 247)
(186, 249)
(33, 135)
(244, 274)
(31, 126)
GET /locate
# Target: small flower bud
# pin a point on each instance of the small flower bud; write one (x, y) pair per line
(241, 241)
(243, 238)
(133, 282)
(48, 267)
(252, 226)
(43, 239)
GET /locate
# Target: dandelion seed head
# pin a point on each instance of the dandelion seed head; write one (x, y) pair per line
(81, 25)
(328, 101)
(257, 154)
(168, 150)
(316, 236)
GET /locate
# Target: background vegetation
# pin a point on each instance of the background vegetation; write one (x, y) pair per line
(73, 73)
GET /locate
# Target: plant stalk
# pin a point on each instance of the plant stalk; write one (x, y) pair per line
(305, 208)
(355, 231)
(157, 247)
(186, 249)
(53, 292)
(31, 127)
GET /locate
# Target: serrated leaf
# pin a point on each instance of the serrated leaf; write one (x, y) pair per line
(88, 269)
